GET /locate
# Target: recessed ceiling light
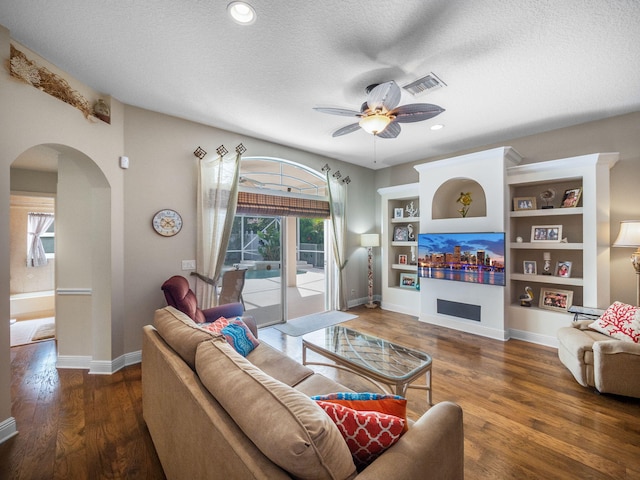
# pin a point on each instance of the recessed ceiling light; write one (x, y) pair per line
(437, 127)
(242, 13)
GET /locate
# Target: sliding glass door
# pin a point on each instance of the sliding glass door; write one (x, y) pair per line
(285, 262)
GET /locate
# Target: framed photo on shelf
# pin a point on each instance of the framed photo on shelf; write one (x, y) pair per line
(524, 203)
(530, 267)
(402, 259)
(408, 280)
(546, 233)
(571, 198)
(400, 234)
(563, 269)
(398, 213)
(554, 299)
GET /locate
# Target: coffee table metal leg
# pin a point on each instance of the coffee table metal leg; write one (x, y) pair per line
(401, 389)
(428, 381)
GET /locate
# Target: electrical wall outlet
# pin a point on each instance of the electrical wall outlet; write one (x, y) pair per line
(188, 264)
(353, 292)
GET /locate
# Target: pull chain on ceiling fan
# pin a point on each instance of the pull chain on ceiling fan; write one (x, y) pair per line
(380, 114)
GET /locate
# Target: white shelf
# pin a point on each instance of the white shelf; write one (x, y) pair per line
(552, 279)
(405, 220)
(546, 246)
(402, 266)
(404, 244)
(547, 212)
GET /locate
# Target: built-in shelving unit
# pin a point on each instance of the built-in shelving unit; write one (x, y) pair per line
(584, 243)
(495, 178)
(396, 297)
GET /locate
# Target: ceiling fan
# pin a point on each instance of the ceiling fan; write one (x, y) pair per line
(380, 114)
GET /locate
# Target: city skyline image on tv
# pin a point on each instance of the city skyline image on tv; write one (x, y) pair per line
(476, 257)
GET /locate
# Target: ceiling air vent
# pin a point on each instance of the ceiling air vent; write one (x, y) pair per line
(425, 84)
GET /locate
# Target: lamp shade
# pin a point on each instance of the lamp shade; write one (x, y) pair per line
(369, 240)
(629, 235)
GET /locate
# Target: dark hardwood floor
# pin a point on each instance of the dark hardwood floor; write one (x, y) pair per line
(525, 417)
(72, 425)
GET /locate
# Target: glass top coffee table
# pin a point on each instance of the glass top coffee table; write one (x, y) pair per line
(375, 359)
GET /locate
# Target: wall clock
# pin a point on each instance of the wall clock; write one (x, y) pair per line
(167, 222)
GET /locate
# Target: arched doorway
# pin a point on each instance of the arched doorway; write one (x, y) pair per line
(82, 243)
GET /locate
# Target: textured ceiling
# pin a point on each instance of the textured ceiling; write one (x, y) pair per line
(512, 67)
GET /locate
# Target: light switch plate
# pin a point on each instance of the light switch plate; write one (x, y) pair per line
(188, 264)
(124, 162)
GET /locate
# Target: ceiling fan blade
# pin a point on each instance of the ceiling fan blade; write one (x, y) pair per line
(338, 111)
(348, 129)
(392, 131)
(386, 95)
(416, 112)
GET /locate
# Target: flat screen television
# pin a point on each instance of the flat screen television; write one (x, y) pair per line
(476, 257)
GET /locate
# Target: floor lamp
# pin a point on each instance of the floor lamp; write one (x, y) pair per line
(629, 236)
(370, 240)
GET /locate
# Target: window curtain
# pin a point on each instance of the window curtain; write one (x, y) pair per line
(37, 224)
(338, 207)
(217, 200)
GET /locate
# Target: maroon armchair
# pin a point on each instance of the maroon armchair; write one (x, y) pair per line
(179, 295)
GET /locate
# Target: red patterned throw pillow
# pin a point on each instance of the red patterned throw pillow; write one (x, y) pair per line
(376, 402)
(620, 321)
(367, 434)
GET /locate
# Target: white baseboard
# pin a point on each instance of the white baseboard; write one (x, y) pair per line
(99, 367)
(73, 361)
(546, 340)
(354, 302)
(8, 429)
(405, 309)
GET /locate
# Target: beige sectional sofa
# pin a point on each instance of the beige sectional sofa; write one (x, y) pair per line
(215, 414)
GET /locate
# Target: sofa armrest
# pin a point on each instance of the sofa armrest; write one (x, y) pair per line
(582, 324)
(616, 366)
(433, 448)
(227, 310)
(611, 347)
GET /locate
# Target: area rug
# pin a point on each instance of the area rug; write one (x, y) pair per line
(24, 332)
(309, 323)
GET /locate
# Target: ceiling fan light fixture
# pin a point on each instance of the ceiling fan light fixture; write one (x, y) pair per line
(242, 13)
(374, 123)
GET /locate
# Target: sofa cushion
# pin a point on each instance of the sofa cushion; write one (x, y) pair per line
(372, 402)
(367, 433)
(278, 365)
(620, 321)
(286, 425)
(181, 333)
(318, 384)
(236, 332)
